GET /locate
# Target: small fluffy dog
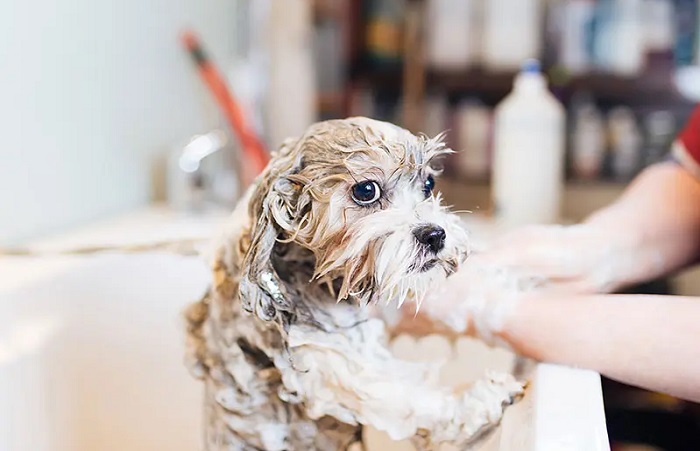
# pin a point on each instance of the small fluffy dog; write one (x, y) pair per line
(290, 340)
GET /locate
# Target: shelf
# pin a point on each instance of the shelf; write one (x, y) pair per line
(651, 89)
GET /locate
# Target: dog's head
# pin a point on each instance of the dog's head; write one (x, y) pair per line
(358, 194)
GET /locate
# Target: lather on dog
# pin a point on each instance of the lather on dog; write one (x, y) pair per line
(290, 342)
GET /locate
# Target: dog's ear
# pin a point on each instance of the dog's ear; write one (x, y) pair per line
(272, 211)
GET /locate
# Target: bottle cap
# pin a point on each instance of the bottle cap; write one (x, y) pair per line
(530, 66)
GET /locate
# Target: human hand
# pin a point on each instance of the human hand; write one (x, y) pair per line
(475, 301)
(555, 259)
(578, 259)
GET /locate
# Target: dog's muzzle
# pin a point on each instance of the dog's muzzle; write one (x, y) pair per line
(431, 236)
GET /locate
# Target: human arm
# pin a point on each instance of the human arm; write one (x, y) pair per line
(648, 341)
(661, 212)
(653, 229)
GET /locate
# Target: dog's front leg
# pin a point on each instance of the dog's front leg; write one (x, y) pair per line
(351, 375)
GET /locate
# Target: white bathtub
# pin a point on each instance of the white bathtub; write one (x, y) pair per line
(91, 355)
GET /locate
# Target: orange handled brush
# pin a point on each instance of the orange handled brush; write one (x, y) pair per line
(255, 154)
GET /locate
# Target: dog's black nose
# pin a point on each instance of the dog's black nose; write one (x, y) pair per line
(432, 236)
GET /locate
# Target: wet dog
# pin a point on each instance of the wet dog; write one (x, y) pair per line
(290, 342)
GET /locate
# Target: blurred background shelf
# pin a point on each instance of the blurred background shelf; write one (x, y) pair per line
(641, 90)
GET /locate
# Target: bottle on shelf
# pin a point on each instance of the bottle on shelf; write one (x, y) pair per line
(529, 141)
(658, 20)
(512, 33)
(628, 58)
(383, 33)
(686, 26)
(473, 123)
(587, 141)
(554, 18)
(625, 143)
(619, 38)
(603, 34)
(577, 18)
(436, 115)
(452, 33)
(659, 131)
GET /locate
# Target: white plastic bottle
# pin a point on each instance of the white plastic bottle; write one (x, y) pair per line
(452, 34)
(512, 32)
(529, 140)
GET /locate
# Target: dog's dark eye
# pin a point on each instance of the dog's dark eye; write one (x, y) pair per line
(428, 186)
(365, 193)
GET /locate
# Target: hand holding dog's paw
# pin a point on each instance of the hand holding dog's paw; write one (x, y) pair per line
(475, 301)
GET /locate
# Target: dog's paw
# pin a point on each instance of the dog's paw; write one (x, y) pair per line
(485, 402)
(501, 381)
(506, 386)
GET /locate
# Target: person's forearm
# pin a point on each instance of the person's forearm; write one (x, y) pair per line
(658, 217)
(648, 341)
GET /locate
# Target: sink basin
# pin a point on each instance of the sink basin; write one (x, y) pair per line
(91, 355)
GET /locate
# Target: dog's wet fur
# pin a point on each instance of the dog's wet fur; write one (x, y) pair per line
(290, 342)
